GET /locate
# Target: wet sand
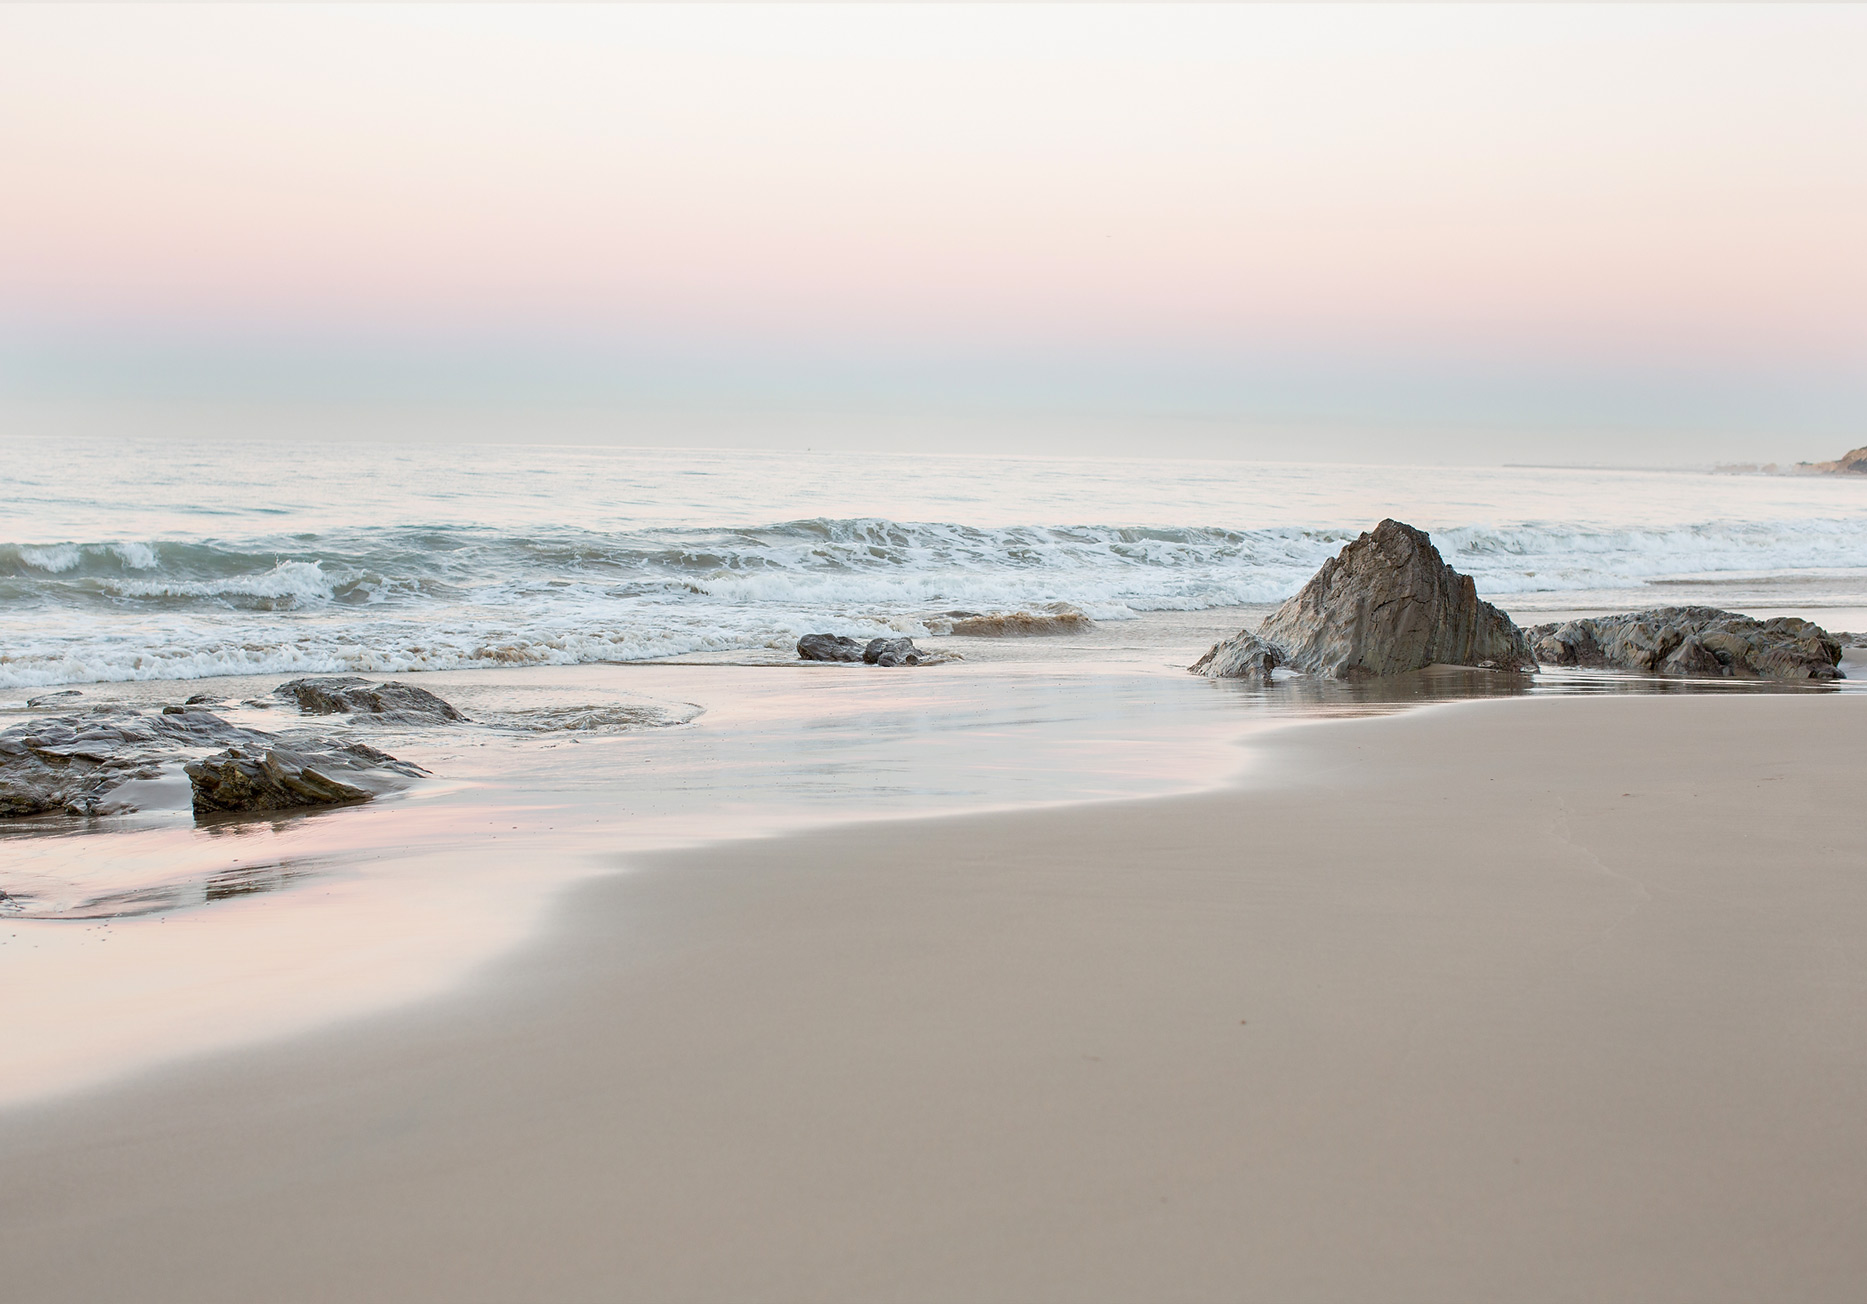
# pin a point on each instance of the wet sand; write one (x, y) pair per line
(1540, 999)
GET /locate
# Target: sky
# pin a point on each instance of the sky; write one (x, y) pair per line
(1494, 233)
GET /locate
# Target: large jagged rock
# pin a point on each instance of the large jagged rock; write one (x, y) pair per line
(1388, 604)
(387, 703)
(1692, 642)
(1242, 656)
(79, 764)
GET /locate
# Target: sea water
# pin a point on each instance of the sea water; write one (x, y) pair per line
(154, 559)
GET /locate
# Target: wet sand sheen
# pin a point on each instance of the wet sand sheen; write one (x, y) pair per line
(1540, 1000)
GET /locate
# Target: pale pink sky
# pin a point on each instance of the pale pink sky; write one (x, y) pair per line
(1672, 185)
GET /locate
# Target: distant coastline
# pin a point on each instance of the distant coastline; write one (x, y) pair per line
(1853, 462)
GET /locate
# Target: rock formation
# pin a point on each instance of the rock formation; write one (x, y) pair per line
(1388, 604)
(77, 764)
(387, 703)
(1696, 642)
(1242, 656)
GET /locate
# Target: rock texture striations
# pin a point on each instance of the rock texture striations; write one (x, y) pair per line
(1692, 642)
(1387, 604)
(1242, 656)
(278, 778)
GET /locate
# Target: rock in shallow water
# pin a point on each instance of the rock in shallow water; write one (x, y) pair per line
(76, 764)
(828, 647)
(891, 652)
(386, 702)
(876, 652)
(270, 778)
(1242, 656)
(1692, 642)
(1387, 604)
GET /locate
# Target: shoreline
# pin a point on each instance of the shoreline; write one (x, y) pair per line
(1395, 1021)
(273, 927)
(280, 925)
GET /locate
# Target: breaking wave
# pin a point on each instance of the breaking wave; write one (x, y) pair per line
(396, 600)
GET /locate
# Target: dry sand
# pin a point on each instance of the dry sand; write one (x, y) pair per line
(1558, 999)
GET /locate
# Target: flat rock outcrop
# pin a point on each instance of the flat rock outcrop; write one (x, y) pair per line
(1387, 604)
(1242, 656)
(77, 764)
(388, 703)
(1692, 642)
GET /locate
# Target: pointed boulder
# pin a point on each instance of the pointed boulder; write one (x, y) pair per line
(1387, 604)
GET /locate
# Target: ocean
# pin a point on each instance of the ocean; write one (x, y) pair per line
(127, 560)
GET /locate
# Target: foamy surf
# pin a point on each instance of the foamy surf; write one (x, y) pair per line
(380, 601)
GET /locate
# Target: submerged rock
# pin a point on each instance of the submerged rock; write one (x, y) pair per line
(829, 647)
(388, 702)
(1242, 656)
(1692, 642)
(77, 764)
(1387, 604)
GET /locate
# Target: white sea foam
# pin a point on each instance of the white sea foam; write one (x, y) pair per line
(57, 558)
(137, 556)
(295, 580)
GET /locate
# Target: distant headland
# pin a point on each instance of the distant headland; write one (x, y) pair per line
(1853, 462)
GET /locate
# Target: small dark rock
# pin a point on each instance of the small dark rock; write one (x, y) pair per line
(891, 652)
(829, 647)
(44, 698)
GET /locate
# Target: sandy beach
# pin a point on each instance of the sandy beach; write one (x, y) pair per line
(1541, 999)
